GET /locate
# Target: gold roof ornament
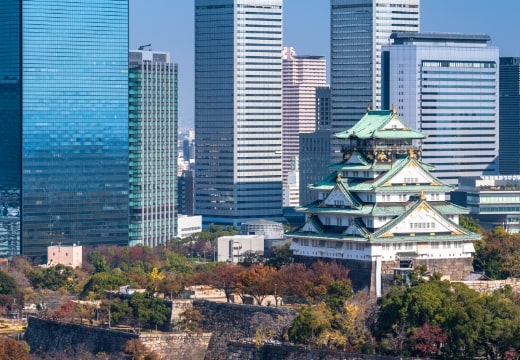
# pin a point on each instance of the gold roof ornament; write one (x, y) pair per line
(423, 197)
(412, 154)
(394, 109)
(338, 178)
(368, 108)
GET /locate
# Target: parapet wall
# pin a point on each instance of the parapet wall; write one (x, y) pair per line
(233, 322)
(44, 335)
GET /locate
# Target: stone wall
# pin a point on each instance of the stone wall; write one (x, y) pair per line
(453, 269)
(233, 322)
(179, 346)
(244, 350)
(47, 335)
(488, 286)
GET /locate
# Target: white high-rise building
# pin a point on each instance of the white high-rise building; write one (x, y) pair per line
(302, 74)
(238, 110)
(359, 28)
(447, 86)
(152, 147)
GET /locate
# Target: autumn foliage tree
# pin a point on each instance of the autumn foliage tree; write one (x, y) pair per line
(11, 349)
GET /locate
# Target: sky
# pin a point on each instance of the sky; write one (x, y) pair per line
(169, 26)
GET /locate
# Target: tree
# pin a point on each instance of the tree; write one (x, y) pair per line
(8, 285)
(255, 281)
(429, 340)
(52, 277)
(190, 320)
(222, 276)
(310, 323)
(281, 255)
(105, 281)
(11, 349)
(99, 262)
(469, 223)
(149, 311)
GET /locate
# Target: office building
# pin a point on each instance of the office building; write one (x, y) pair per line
(381, 212)
(447, 86)
(492, 200)
(64, 128)
(185, 194)
(509, 97)
(302, 74)
(359, 28)
(153, 147)
(238, 110)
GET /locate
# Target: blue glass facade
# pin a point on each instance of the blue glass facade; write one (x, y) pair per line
(74, 116)
(10, 128)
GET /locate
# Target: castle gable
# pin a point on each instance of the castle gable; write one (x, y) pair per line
(421, 219)
(409, 172)
(340, 197)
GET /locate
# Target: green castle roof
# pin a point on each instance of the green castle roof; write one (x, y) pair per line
(375, 124)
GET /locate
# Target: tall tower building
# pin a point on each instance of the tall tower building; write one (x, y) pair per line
(64, 128)
(359, 28)
(153, 147)
(301, 76)
(238, 110)
(447, 86)
(509, 150)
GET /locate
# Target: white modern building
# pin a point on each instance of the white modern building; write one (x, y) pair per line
(447, 86)
(188, 225)
(152, 147)
(302, 74)
(358, 30)
(238, 110)
(234, 248)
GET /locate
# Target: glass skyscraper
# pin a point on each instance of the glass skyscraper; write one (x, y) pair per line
(447, 86)
(509, 150)
(238, 110)
(64, 126)
(359, 28)
(153, 147)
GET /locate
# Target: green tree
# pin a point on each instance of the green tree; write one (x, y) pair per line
(469, 223)
(52, 277)
(151, 312)
(99, 262)
(8, 285)
(100, 282)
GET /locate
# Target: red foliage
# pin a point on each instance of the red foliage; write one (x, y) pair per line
(11, 349)
(429, 340)
(65, 311)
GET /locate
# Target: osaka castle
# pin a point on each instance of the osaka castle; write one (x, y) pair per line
(381, 212)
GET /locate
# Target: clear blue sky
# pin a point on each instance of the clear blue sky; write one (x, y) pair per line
(168, 25)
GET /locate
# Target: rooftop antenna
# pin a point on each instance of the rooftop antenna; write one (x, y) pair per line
(142, 47)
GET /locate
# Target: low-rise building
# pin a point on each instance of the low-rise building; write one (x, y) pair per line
(188, 225)
(65, 255)
(235, 248)
(493, 200)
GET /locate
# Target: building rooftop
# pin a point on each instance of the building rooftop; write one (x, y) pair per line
(405, 37)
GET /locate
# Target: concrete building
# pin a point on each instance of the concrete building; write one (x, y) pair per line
(493, 200)
(188, 225)
(238, 110)
(509, 97)
(381, 212)
(447, 86)
(358, 30)
(301, 76)
(65, 255)
(273, 232)
(291, 189)
(152, 147)
(234, 248)
(64, 127)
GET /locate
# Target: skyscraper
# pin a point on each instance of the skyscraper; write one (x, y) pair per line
(153, 147)
(509, 150)
(64, 128)
(238, 110)
(359, 28)
(302, 74)
(447, 85)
